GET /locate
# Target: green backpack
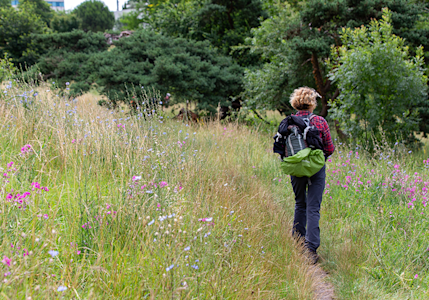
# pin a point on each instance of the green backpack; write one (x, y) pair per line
(305, 163)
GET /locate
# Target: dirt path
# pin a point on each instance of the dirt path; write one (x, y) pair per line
(323, 290)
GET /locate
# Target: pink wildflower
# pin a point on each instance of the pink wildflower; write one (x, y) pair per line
(6, 260)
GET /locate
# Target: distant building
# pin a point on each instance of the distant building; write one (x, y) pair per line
(120, 13)
(55, 4)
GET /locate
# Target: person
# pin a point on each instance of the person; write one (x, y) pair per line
(309, 191)
(167, 97)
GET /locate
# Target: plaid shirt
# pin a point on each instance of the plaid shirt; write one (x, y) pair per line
(321, 124)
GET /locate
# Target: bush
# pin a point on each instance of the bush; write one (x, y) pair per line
(188, 70)
(382, 86)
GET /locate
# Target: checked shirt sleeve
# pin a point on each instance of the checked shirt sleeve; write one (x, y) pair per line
(328, 145)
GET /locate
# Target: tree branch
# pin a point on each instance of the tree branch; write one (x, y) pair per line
(256, 113)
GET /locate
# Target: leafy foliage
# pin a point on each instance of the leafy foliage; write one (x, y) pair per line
(186, 69)
(5, 3)
(16, 29)
(40, 8)
(64, 22)
(222, 22)
(66, 54)
(381, 85)
(270, 86)
(7, 69)
(297, 42)
(95, 16)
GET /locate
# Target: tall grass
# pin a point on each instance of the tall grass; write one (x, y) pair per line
(376, 219)
(100, 204)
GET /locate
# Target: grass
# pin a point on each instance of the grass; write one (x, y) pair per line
(140, 206)
(376, 241)
(137, 207)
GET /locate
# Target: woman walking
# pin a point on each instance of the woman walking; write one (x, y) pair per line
(309, 190)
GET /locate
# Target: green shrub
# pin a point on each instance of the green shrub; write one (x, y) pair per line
(188, 70)
(382, 86)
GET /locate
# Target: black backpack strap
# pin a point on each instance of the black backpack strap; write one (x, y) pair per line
(310, 117)
(307, 118)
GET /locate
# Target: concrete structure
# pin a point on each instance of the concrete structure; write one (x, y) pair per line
(120, 13)
(55, 4)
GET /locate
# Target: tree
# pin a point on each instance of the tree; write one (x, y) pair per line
(17, 27)
(5, 3)
(64, 22)
(297, 42)
(95, 16)
(224, 23)
(64, 55)
(381, 85)
(143, 11)
(40, 8)
(188, 70)
(269, 87)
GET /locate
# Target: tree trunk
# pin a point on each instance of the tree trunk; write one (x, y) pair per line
(340, 133)
(322, 88)
(229, 12)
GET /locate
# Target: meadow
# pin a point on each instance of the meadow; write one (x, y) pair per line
(108, 204)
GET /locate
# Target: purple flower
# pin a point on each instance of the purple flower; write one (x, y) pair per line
(6, 260)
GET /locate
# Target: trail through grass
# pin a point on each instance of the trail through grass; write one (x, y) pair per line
(100, 204)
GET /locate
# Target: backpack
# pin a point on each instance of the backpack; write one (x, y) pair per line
(300, 146)
(296, 139)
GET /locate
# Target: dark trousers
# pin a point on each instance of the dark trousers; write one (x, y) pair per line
(308, 198)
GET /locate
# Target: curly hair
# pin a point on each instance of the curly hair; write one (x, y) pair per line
(304, 98)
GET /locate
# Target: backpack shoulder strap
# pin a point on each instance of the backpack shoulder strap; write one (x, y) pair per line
(311, 117)
(307, 119)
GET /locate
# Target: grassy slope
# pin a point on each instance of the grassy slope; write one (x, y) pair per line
(122, 238)
(374, 236)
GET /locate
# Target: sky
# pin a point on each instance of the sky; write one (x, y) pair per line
(71, 4)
